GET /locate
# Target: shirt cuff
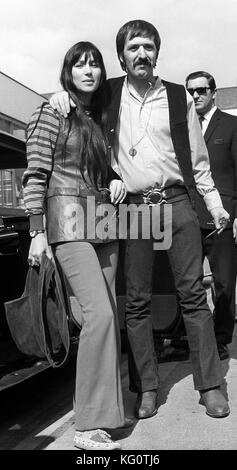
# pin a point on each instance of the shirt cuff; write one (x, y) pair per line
(212, 200)
(36, 222)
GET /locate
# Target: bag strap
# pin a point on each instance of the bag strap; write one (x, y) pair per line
(48, 273)
(52, 274)
(31, 282)
(63, 316)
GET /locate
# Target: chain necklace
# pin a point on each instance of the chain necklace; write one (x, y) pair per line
(132, 151)
(87, 110)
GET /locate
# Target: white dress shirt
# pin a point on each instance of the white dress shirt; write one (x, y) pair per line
(206, 119)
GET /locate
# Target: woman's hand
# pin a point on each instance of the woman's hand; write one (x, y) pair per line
(62, 103)
(118, 191)
(38, 246)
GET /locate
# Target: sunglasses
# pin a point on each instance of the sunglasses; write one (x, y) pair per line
(201, 90)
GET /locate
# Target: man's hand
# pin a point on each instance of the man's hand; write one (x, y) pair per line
(235, 230)
(118, 191)
(62, 103)
(220, 217)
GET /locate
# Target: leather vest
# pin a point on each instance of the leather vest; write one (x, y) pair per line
(69, 211)
(178, 125)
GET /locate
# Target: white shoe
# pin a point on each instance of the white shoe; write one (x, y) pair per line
(97, 439)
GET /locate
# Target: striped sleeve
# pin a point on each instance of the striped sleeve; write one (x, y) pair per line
(42, 133)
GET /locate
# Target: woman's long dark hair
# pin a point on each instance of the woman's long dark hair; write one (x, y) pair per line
(92, 152)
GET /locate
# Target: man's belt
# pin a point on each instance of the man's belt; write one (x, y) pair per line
(156, 196)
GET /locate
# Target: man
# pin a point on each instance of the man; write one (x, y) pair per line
(220, 134)
(149, 125)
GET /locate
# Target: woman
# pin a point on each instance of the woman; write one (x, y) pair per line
(67, 167)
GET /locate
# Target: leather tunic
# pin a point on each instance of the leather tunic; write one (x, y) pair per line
(71, 201)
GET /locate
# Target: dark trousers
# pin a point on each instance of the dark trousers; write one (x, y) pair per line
(185, 257)
(221, 253)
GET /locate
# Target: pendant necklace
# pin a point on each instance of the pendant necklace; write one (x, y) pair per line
(87, 111)
(132, 151)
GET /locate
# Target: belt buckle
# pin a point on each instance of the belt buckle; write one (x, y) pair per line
(154, 197)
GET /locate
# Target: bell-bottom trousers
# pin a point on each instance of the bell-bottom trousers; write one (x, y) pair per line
(90, 271)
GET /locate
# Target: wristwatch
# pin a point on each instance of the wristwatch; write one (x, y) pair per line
(33, 233)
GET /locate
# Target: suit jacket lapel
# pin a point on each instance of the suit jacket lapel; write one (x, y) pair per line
(212, 124)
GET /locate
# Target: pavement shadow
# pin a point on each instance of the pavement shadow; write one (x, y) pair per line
(14, 438)
(225, 368)
(28, 408)
(171, 372)
(174, 366)
(233, 346)
(122, 433)
(174, 372)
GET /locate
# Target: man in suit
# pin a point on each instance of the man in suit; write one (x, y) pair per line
(220, 134)
(160, 153)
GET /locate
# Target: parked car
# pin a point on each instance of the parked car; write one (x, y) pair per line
(14, 246)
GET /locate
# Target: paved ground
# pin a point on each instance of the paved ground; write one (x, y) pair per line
(181, 422)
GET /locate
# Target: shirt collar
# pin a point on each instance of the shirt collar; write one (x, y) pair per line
(210, 113)
(158, 84)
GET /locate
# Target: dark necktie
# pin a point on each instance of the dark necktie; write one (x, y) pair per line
(201, 119)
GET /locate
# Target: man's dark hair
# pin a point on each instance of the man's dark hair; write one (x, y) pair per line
(199, 74)
(133, 29)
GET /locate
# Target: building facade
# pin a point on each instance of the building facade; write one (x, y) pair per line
(226, 99)
(17, 103)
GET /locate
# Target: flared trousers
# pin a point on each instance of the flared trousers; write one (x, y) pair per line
(91, 270)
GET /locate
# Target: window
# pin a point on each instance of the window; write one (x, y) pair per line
(10, 188)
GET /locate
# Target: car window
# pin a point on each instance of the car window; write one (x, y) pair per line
(10, 188)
